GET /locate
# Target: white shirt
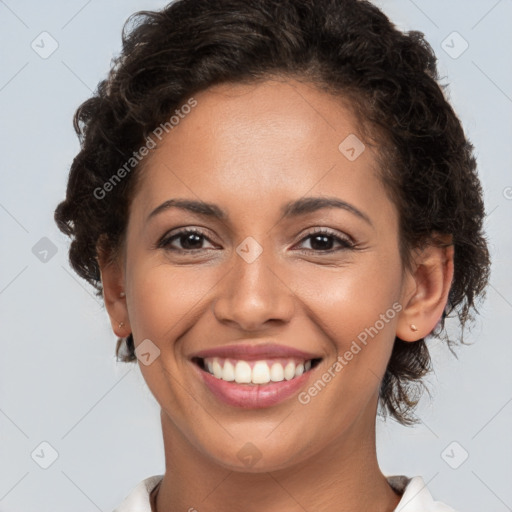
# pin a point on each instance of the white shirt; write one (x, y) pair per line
(415, 496)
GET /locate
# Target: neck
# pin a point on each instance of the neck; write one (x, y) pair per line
(344, 476)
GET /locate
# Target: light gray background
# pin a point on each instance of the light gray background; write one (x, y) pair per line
(59, 380)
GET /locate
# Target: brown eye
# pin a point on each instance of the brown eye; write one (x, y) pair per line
(189, 239)
(323, 241)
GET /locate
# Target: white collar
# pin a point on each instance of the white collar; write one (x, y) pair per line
(415, 496)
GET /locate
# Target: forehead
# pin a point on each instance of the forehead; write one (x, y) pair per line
(250, 145)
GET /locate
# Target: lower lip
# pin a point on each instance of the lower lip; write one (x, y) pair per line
(252, 396)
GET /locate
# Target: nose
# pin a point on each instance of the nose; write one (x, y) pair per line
(254, 293)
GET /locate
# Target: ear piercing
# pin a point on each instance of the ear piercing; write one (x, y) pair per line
(413, 328)
(122, 294)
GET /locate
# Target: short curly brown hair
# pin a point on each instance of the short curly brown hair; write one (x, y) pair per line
(346, 47)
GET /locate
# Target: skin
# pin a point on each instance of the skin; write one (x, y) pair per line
(250, 149)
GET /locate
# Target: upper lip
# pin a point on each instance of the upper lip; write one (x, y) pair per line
(250, 351)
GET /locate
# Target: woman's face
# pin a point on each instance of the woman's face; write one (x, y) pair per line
(260, 278)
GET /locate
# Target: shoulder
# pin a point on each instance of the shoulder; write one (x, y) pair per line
(138, 499)
(415, 495)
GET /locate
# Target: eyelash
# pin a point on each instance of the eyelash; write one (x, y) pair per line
(346, 243)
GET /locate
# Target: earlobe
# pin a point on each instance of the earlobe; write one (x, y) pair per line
(427, 290)
(114, 296)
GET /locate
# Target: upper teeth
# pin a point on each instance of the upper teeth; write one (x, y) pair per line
(255, 372)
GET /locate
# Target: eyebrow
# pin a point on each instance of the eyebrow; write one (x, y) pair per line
(292, 209)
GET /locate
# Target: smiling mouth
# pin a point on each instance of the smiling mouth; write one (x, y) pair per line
(258, 372)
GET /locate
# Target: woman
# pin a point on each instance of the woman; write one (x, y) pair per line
(278, 205)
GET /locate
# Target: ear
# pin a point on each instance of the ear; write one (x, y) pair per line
(112, 279)
(426, 289)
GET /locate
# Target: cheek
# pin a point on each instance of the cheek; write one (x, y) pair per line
(348, 300)
(165, 297)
